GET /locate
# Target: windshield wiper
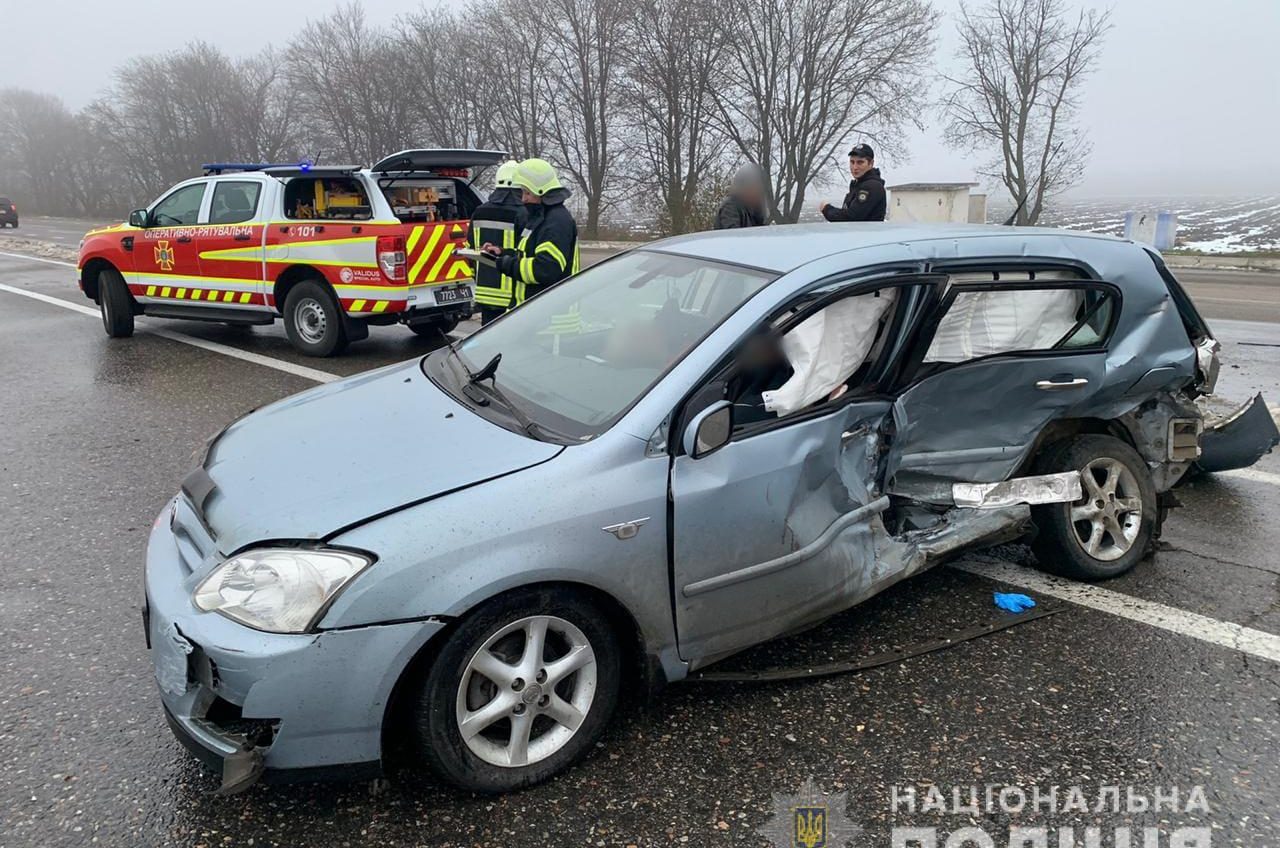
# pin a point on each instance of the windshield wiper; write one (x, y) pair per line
(527, 424)
(487, 372)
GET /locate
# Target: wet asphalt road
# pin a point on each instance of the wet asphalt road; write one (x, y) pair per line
(96, 433)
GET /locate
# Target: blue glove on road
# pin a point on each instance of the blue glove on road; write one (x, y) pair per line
(1012, 602)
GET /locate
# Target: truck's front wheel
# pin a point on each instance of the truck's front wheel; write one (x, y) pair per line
(313, 320)
(114, 302)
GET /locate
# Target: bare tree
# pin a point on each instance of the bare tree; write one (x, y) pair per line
(672, 62)
(1025, 60)
(442, 57)
(37, 139)
(583, 66)
(511, 81)
(166, 114)
(804, 75)
(348, 83)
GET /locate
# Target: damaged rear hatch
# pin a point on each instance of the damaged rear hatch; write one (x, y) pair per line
(1241, 437)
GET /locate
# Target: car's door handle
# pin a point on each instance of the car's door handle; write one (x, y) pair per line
(183, 239)
(242, 236)
(1059, 385)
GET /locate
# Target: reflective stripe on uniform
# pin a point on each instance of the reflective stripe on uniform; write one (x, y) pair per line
(550, 248)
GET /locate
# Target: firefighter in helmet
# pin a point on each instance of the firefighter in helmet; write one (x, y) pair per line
(546, 250)
(499, 220)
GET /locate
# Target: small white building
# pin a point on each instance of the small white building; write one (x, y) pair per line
(939, 203)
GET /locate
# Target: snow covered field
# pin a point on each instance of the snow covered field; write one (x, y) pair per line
(1208, 224)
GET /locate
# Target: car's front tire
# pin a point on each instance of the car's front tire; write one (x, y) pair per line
(1107, 531)
(115, 304)
(313, 320)
(519, 690)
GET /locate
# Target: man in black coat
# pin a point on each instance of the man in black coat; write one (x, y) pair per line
(744, 207)
(866, 200)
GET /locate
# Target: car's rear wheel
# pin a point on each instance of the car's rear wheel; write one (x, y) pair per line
(115, 304)
(522, 688)
(313, 320)
(437, 327)
(1108, 530)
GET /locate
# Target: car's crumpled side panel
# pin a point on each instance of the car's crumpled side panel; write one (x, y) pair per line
(1149, 352)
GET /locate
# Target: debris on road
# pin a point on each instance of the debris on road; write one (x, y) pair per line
(1013, 602)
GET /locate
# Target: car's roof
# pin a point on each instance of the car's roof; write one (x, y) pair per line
(787, 247)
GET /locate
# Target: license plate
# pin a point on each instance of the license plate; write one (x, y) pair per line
(452, 294)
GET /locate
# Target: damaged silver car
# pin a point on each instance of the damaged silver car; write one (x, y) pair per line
(684, 451)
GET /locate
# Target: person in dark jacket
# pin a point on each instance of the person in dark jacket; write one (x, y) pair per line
(744, 207)
(547, 248)
(499, 220)
(866, 199)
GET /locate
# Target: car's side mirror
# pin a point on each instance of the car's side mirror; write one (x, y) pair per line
(709, 430)
(138, 218)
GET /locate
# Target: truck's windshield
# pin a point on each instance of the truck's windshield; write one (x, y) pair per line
(577, 356)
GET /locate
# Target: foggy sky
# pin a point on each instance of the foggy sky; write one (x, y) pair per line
(1186, 99)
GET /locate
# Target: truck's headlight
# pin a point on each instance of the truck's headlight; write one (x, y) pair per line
(280, 590)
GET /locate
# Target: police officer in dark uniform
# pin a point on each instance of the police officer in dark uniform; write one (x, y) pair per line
(499, 220)
(547, 248)
(866, 200)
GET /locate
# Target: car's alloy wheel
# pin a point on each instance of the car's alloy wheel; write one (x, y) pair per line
(526, 691)
(1108, 517)
(1109, 529)
(518, 689)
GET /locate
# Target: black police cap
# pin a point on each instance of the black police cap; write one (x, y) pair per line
(862, 151)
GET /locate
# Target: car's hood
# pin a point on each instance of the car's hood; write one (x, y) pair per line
(344, 452)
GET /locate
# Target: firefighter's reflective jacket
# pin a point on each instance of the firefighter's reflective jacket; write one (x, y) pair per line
(499, 220)
(547, 249)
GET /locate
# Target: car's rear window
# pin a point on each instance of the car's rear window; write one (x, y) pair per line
(5, 200)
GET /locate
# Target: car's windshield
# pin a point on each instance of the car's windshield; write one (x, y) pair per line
(580, 354)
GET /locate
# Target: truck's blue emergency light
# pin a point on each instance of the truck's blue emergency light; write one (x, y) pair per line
(213, 168)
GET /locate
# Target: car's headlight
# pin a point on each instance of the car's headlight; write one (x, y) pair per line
(280, 590)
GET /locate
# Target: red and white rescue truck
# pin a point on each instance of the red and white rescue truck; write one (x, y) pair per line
(329, 250)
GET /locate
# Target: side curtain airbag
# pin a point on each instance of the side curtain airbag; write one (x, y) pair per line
(826, 348)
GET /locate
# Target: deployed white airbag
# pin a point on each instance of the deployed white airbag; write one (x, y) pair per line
(982, 323)
(826, 348)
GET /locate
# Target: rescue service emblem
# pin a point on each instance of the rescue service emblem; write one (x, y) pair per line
(345, 275)
(164, 255)
(862, 197)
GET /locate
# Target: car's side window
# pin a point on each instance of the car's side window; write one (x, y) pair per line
(234, 201)
(180, 209)
(823, 358)
(991, 321)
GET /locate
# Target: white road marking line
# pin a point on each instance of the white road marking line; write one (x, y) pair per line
(38, 259)
(214, 347)
(1211, 630)
(1234, 300)
(1252, 474)
(48, 298)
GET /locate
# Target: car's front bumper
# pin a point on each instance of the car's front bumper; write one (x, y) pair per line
(250, 700)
